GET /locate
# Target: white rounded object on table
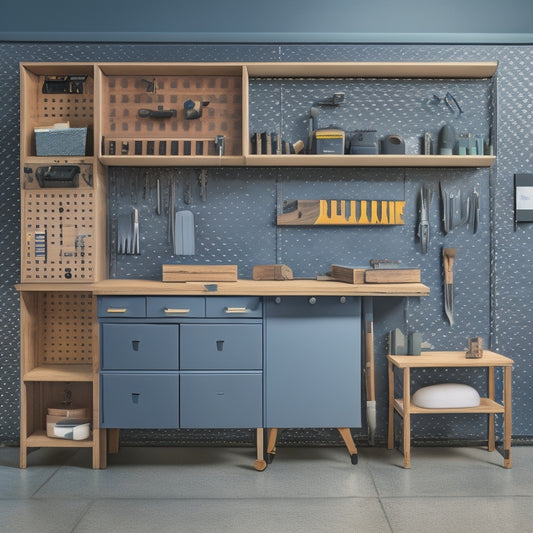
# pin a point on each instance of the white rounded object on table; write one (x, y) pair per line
(446, 395)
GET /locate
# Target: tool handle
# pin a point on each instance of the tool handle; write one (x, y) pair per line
(449, 258)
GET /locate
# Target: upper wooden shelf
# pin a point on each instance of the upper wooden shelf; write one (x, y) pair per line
(445, 69)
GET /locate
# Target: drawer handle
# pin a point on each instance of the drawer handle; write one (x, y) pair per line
(135, 397)
(230, 310)
(220, 346)
(117, 309)
(170, 310)
(135, 345)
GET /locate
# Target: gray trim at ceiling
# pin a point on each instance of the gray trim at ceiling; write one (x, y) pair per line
(269, 37)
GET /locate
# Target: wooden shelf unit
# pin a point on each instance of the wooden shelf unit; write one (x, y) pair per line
(456, 359)
(59, 353)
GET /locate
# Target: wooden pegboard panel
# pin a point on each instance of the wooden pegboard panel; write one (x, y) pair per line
(125, 95)
(76, 108)
(58, 235)
(65, 328)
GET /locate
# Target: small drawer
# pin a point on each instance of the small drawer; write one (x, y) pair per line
(140, 400)
(221, 347)
(140, 346)
(221, 400)
(122, 306)
(234, 306)
(176, 306)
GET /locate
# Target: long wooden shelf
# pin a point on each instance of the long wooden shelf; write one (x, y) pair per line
(377, 160)
(486, 406)
(385, 69)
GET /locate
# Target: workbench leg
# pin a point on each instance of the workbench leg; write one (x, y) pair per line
(406, 418)
(113, 440)
(260, 463)
(390, 443)
(507, 420)
(272, 435)
(491, 395)
(350, 444)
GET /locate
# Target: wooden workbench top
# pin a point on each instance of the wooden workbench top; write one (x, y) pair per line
(241, 287)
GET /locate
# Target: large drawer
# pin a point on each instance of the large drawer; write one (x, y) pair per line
(136, 400)
(234, 307)
(140, 346)
(211, 400)
(221, 347)
(175, 306)
(122, 306)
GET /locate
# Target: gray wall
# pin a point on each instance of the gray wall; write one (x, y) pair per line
(275, 21)
(493, 268)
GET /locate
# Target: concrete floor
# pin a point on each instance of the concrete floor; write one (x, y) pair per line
(304, 489)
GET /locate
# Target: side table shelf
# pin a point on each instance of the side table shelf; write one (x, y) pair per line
(488, 405)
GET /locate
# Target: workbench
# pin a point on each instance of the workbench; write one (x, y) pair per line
(301, 366)
(405, 408)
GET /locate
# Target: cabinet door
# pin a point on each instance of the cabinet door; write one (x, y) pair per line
(139, 400)
(313, 362)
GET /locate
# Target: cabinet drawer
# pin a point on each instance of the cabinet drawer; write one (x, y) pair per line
(122, 306)
(221, 347)
(140, 346)
(234, 306)
(221, 400)
(176, 306)
(139, 400)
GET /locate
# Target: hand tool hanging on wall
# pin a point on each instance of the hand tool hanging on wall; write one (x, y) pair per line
(459, 208)
(202, 181)
(426, 195)
(448, 257)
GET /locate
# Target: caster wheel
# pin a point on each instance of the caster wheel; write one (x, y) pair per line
(260, 465)
(355, 458)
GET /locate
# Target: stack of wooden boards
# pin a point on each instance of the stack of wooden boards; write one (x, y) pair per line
(359, 276)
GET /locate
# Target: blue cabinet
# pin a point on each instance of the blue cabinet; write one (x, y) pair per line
(313, 362)
(217, 362)
(181, 362)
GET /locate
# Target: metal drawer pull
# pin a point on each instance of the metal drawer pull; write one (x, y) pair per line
(171, 310)
(237, 310)
(116, 309)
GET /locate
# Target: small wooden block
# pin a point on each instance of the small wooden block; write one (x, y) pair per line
(183, 273)
(356, 276)
(394, 275)
(271, 272)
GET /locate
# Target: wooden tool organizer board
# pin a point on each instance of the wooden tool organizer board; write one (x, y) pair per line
(123, 96)
(65, 333)
(64, 221)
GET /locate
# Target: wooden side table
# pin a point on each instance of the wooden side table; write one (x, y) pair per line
(488, 405)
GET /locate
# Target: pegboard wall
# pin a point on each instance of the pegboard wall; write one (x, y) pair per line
(498, 257)
(58, 237)
(65, 328)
